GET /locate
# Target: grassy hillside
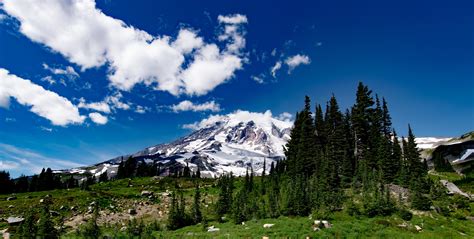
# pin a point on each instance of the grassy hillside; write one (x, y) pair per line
(116, 198)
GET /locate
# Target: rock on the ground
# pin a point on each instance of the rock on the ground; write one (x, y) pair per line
(15, 220)
(132, 211)
(146, 193)
(326, 224)
(418, 228)
(268, 225)
(213, 229)
(11, 198)
(452, 189)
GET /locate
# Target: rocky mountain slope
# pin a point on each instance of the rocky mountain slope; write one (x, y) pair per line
(219, 144)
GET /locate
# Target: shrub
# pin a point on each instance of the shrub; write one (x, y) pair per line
(420, 202)
(405, 214)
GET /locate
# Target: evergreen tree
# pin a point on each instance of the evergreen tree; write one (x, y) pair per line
(121, 170)
(360, 120)
(22, 184)
(103, 177)
(198, 173)
(386, 119)
(130, 167)
(348, 162)
(305, 159)
(262, 182)
(6, 184)
(197, 215)
(28, 228)
(33, 184)
(224, 201)
(46, 227)
(336, 153)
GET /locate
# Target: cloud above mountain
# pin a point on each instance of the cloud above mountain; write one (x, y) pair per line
(86, 36)
(187, 105)
(47, 104)
(265, 119)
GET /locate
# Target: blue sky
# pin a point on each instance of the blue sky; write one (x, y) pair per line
(108, 78)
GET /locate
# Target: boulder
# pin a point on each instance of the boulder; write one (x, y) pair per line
(213, 229)
(11, 206)
(11, 198)
(268, 225)
(15, 220)
(418, 228)
(132, 211)
(146, 193)
(326, 224)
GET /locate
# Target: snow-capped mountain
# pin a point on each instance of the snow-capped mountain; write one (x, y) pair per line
(219, 144)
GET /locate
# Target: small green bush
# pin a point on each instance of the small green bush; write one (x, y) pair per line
(405, 214)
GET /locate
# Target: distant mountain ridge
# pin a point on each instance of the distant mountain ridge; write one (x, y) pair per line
(219, 144)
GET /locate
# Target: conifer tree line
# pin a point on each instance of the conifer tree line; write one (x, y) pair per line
(332, 157)
(133, 168)
(47, 180)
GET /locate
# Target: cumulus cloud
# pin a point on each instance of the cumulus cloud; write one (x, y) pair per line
(264, 119)
(98, 118)
(285, 116)
(295, 61)
(44, 103)
(275, 68)
(50, 80)
(89, 38)
(67, 71)
(190, 106)
(110, 103)
(101, 106)
(141, 109)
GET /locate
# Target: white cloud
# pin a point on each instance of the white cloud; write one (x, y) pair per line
(190, 106)
(89, 38)
(101, 106)
(98, 118)
(8, 165)
(285, 116)
(232, 19)
(44, 103)
(187, 41)
(67, 71)
(262, 119)
(110, 103)
(46, 129)
(258, 79)
(141, 109)
(295, 61)
(274, 52)
(275, 68)
(23, 160)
